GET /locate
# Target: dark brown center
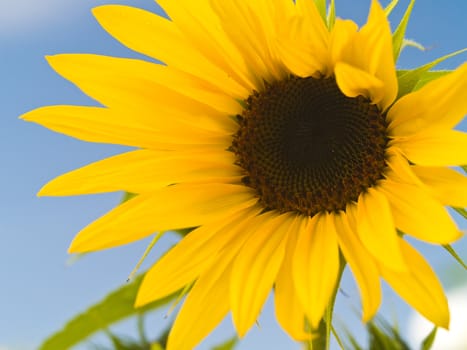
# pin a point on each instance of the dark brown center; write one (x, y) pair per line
(306, 147)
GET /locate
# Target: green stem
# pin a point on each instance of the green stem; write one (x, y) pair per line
(322, 338)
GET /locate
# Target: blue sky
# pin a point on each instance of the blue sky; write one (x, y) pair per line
(38, 291)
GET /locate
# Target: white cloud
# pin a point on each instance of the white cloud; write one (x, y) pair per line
(22, 16)
(456, 337)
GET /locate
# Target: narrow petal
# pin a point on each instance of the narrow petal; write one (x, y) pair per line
(203, 309)
(138, 85)
(255, 269)
(442, 103)
(289, 311)
(447, 185)
(160, 38)
(146, 170)
(377, 231)
(419, 287)
(316, 265)
(194, 255)
(354, 82)
(95, 124)
(362, 265)
(202, 29)
(239, 19)
(418, 214)
(172, 207)
(435, 148)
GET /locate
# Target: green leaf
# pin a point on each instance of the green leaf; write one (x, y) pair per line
(454, 254)
(428, 341)
(227, 345)
(399, 33)
(385, 337)
(321, 6)
(464, 167)
(117, 306)
(409, 79)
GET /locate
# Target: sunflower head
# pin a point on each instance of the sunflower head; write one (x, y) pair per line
(285, 140)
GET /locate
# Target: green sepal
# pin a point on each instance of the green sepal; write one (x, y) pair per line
(410, 80)
(117, 306)
(332, 14)
(429, 340)
(321, 6)
(229, 344)
(412, 43)
(454, 254)
(399, 33)
(390, 7)
(127, 196)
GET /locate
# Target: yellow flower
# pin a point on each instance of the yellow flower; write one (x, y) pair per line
(283, 141)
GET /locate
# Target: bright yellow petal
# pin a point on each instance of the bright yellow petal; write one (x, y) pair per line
(342, 36)
(361, 264)
(139, 85)
(202, 28)
(160, 38)
(193, 255)
(246, 25)
(256, 267)
(447, 185)
(316, 265)
(377, 231)
(170, 208)
(419, 287)
(363, 61)
(204, 308)
(95, 124)
(442, 103)
(354, 82)
(289, 311)
(435, 148)
(418, 214)
(146, 170)
(376, 40)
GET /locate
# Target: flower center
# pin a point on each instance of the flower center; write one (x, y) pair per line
(306, 147)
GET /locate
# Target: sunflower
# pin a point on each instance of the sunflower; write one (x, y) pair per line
(284, 142)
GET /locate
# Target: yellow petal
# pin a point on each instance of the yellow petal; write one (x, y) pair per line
(139, 85)
(193, 255)
(435, 148)
(342, 36)
(316, 265)
(419, 287)
(447, 185)
(361, 264)
(204, 308)
(377, 231)
(442, 103)
(170, 208)
(255, 269)
(418, 214)
(160, 38)
(146, 170)
(289, 311)
(95, 124)
(376, 39)
(239, 19)
(354, 82)
(202, 28)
